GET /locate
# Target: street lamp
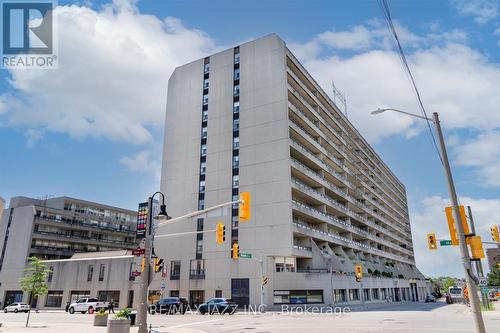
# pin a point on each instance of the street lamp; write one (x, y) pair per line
(148, 247)
(464, 252)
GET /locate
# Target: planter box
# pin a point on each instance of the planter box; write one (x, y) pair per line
(118, 326)
(101, 320)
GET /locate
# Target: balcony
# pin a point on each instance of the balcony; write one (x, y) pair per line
(302, 251)
(197, 274)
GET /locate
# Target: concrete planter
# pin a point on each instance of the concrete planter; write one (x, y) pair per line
(118, 326)
(101, 320)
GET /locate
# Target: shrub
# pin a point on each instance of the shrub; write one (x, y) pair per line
(123, 314)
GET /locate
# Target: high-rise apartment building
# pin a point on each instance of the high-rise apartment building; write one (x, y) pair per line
(57, 228)
(252, 118)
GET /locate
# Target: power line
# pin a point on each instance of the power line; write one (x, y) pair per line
(387, 15)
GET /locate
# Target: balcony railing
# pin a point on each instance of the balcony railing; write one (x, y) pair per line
(197, 274)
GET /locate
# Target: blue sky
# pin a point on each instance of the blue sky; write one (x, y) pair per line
(93, 128)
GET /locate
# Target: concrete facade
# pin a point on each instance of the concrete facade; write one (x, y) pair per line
(57, 228)
(252, 119)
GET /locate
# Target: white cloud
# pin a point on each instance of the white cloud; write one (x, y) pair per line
(483, 11)
(483, 152)
(431, 218)
(143, 162)
(112, 78)
(455, 80)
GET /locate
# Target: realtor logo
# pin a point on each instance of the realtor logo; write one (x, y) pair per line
(28, 34)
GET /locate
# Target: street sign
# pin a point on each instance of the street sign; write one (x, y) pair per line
(445, 243)
(138, 252)
(245, 255)
(484, 289)
(483, 281)
(163, 285)
(136, 273)
(142, 216)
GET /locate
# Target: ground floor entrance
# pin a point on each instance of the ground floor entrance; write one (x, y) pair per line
(240, 291)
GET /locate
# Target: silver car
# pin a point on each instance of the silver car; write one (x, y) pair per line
(16, 307)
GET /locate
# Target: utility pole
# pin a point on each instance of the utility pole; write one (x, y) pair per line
(261, 264)
(142, 312)
(479, 265)
(464, 251)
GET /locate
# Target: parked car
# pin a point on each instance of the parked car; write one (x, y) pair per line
(87, 304)
(218, 305)
(430, 298)
(16, 307)
(169, 305)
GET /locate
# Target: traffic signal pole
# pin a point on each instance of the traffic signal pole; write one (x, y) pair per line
(479, 265)
(464, 251)
(142, 311)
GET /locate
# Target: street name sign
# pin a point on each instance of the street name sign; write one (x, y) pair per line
(445, 243)
(245, 255)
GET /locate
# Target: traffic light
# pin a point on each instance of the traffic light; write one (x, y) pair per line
(451, 223)
(158, 264)
(358, 270)
(244, 207)
(220, 233)
(431, 241)
(236, 251)
(495, 233)
(476, 247)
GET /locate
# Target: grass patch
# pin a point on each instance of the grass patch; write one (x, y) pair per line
(491, 307)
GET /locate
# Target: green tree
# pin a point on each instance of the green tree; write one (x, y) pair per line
(494, 277)
(34, 280)
(447, 283)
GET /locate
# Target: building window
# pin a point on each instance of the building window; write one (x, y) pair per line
(205, 99)
(204, 115)
(366, 294)
(236, 107)
(109, 296)
(131, 269)
(202, 186)
(236, 57)
(201, 204)
(284, 264)
(339, 295)
(197, 269)
(236, 181)
(204, 150)
(175, 269)
(236, 143)
(174, 293)
(54, 299)
(51, 274)
(90, 273)
(199, 246)
(236, 90)
(218, 294)
(237, 74)
(204, 132)
(102, 268)
(298, 296)
(236, 162)
(236, 125)
(374, 294)
(206, 68)
(205, 84)
(353, 294)
(203, 168)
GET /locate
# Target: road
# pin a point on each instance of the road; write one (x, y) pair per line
(393, 317)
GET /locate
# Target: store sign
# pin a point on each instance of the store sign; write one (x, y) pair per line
(142, 217)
